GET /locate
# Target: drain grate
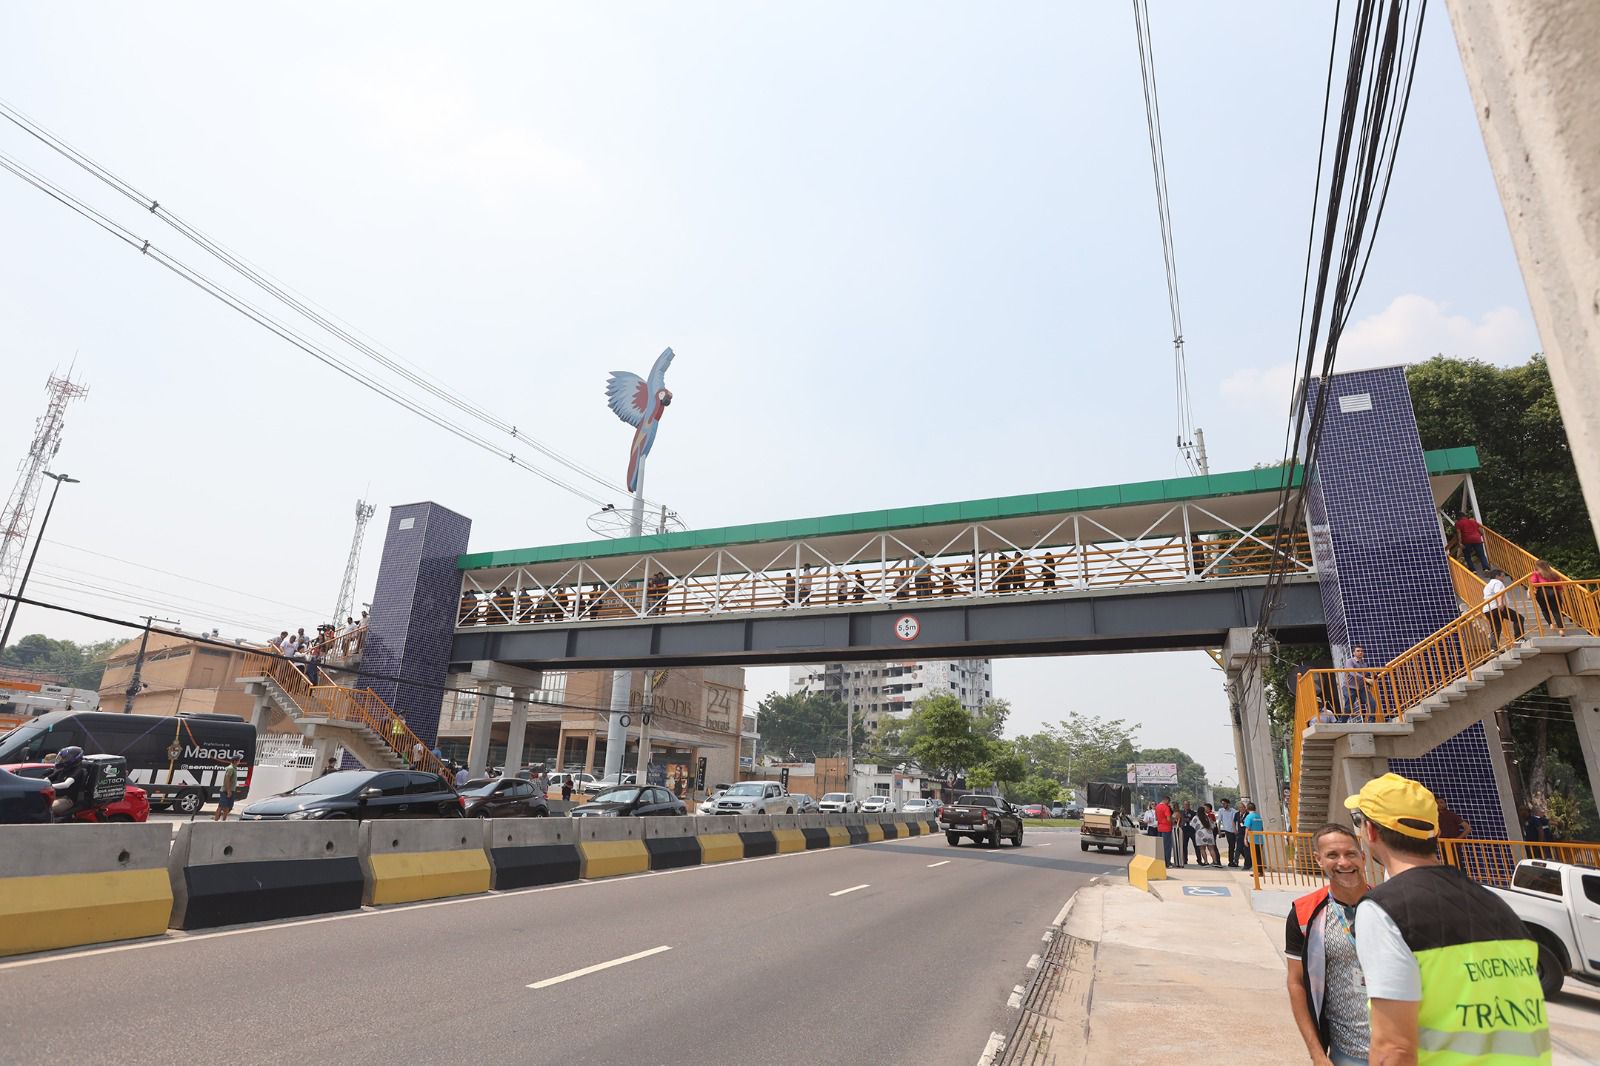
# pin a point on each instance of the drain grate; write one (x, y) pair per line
(1052, 1029)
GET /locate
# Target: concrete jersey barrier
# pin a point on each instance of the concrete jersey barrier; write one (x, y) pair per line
(405, 860)
(611, 847)
(226, 873)
(68, 885)
(672, 843)
(525, 852)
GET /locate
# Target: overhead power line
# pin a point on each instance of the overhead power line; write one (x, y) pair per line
(305, 308)
(1191, 442)
(1384, 42)
(255, 314)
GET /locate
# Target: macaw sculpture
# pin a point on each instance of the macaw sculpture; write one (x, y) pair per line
(640, 402)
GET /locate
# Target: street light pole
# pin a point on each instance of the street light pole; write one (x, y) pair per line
(22, 585)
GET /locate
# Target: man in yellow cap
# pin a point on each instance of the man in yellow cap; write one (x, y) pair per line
(1452, 976)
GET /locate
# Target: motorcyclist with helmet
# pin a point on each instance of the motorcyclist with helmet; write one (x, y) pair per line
(71, 782)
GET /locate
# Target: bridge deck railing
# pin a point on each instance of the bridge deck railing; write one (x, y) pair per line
(882, 570)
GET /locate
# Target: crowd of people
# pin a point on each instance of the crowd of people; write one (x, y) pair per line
(309, 651)
(1202, 829)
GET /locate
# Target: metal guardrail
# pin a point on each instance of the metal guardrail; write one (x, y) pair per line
(1284, 860)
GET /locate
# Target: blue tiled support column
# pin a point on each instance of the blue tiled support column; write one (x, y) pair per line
(414, 613)
(1381, 562)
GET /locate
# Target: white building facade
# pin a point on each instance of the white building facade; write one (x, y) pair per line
(878, 691)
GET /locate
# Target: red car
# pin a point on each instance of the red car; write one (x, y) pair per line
(1036, 810)
(133, 807)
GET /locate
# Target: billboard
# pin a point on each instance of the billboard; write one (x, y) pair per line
(1152, 773)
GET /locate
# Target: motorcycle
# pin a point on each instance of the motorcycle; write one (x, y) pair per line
(99, 782)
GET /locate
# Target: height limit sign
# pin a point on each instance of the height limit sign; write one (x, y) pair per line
(906, 627)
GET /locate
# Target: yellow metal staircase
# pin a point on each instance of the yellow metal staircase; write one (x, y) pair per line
(368, 728)
(1440, 676)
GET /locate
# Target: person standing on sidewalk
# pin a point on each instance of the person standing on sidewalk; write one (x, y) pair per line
(1186, 828)
(1327, 993)
(1228, 828)
(1164, 828)
(1452, 975)
(1252, 840)
(230, 785)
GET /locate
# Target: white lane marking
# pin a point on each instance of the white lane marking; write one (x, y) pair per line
(942, 862)
(1033, 962)
(597, 967)
(176, 937)
(1041, 845)
(992, 1050)
(853, 888)
(1016, 997)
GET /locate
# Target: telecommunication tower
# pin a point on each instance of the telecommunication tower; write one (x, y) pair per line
(347, 587)
(17, 518)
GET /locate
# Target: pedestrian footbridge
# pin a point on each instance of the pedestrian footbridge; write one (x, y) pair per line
(1145, 566)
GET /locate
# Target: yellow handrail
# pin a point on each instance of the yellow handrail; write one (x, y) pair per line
(1478, 635)
(1283, 860)
(345, 705)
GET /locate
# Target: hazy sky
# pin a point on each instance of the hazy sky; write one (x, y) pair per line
(905, 254)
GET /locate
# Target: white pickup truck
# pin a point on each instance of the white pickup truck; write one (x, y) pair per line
(1560, 905)
(755, 797)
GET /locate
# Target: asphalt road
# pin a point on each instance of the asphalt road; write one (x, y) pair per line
(900, 952)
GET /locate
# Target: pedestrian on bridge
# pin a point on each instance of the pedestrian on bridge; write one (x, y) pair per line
(1469, 535)
(1545, 583)
(1497, 611)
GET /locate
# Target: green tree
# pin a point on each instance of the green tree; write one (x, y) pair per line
(1080, 748)
(945, 738)
(79, 665)
(1527, 487)
(1006, 764)
(1035, 790)
(896, 736)
(805, 726)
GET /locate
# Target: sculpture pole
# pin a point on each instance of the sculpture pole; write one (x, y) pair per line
(622, 680)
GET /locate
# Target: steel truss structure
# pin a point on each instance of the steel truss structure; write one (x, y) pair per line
(1185, 542)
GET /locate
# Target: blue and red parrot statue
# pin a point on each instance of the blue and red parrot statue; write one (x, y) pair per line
(640, 402)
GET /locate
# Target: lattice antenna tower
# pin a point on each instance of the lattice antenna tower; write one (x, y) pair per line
(17, 519)
(347, 587)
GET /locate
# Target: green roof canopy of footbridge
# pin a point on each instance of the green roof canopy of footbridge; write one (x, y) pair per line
(1445, 466)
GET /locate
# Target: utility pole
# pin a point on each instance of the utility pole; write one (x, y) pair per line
(1533, 68)
(22, 586)
(134, 684)
(647, 710)
(1200, 457)
(849, 749)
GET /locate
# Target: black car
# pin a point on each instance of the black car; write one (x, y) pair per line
(363, 794)
(631, 800)
(24, 799)
(503, 797)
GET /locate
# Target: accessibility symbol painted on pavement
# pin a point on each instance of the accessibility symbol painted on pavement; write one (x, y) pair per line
(1206, 890)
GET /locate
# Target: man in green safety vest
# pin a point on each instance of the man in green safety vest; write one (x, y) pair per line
(1452, 977)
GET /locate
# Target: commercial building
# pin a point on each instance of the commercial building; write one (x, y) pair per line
(698, 714)
(875, 691)
(179, 674)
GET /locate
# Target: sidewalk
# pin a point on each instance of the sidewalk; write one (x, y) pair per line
(1194, 978)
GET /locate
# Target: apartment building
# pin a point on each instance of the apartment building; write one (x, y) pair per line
(875, 691)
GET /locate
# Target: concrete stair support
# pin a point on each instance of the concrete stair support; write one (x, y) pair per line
(360, 740)
(1338, 757)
